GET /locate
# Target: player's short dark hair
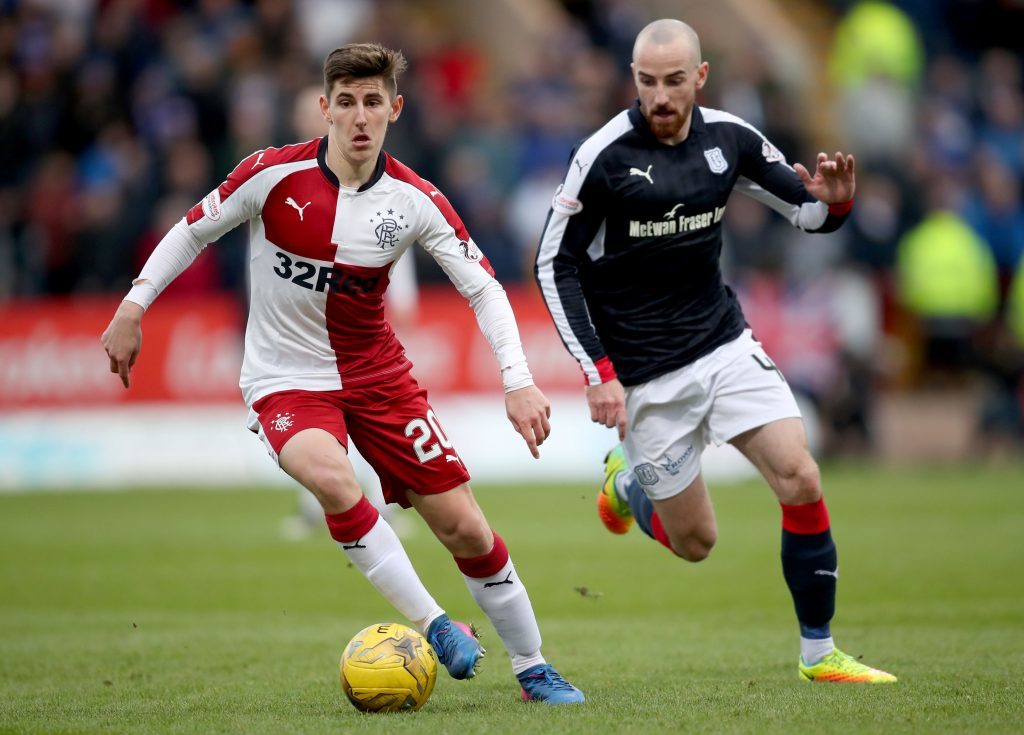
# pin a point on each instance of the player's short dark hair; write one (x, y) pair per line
(361, 60)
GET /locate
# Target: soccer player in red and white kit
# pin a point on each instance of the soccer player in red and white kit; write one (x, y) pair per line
(328, 220)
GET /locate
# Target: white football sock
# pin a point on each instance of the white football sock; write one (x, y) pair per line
(504, 600)
(621, 483)
(380, 556)
(812, 650)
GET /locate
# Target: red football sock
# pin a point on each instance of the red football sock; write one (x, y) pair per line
(354, 523)
(486, 564)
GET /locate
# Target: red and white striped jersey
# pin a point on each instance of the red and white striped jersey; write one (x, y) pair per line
(320, 259)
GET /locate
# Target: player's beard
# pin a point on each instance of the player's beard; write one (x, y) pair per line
(665, 129)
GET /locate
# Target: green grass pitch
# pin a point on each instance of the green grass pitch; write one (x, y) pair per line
(171, 611)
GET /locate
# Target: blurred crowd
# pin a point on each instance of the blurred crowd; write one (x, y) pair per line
(117, 115)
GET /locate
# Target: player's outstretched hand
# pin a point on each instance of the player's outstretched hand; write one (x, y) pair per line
(833, 181)
(122, 339)
(607, 403)
(528, 410)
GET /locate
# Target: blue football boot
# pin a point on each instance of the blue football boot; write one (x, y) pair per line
(456, 647)
(541, 683)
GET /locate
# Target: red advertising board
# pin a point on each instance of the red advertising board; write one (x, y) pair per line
(50, 354)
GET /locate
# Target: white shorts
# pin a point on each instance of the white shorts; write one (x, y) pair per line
(673, 417)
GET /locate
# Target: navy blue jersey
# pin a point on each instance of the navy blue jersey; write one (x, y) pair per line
(629, 260)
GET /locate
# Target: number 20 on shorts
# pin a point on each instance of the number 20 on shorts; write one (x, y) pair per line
(423, 431)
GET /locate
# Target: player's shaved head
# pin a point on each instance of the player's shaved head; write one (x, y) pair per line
(668, 74)
(667, 32)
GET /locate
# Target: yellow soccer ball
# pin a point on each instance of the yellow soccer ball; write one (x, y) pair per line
(388, 667)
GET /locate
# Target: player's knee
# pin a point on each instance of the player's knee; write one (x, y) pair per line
(695, 547)
(800, 482)
(333, 486)
(465, 535)
(808, 481)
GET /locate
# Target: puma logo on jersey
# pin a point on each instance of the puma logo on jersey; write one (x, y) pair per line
(580, 166)
(259, 160)
(452, 458)
(672, 212)
(291, 202)
(644, 174)
(434, 193)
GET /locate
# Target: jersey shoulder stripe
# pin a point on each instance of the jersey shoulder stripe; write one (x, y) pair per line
(400, 172)
(583, 162)
(245, 171)
(712, 116)
(266, 158)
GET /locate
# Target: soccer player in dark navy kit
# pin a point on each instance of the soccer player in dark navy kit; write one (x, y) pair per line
(629, 268)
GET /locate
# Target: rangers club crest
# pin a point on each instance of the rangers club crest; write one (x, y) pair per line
(716, 161)
(387, 227)
(282, 422)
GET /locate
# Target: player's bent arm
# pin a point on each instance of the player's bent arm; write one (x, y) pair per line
(810, 216)
(570, 230)
(466, 267)
(820, 204)
(445, 238)
(526, 407)
(497, 323)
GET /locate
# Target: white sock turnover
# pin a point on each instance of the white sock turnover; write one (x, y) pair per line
(504, 600)
(380, 556)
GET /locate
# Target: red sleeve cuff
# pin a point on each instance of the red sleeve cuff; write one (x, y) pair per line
(605, 370)
(840, 209)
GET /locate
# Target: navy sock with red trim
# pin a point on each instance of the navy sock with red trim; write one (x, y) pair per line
(810, 566)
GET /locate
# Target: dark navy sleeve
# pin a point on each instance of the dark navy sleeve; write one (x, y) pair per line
(573, 225)
(771, 180)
